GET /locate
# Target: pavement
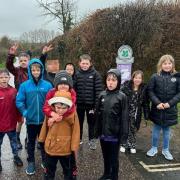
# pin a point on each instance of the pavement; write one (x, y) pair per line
(90, 164)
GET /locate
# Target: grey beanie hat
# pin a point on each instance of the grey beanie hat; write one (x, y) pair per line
(62, 77)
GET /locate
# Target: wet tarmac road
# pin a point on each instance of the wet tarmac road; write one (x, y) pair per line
(90, 164)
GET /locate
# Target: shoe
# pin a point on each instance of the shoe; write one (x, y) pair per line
(0, 167)
(167, 154)
(30, 170)
(122, 149)
(92, 144)
(18, 161)
(19, 145)
(81, 142)
(43, 165)
(152, 152)
(105, 177)
(133, 151)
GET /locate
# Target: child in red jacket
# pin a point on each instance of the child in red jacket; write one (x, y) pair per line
(9, 115)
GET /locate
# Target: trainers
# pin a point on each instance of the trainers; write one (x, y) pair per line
(18, 161)
(152, 152)
(81, 142)
(92, 144)
(122, 149)
(132, 151)
(30, 170)
(43, 165)
(167, 154)
(19, 145)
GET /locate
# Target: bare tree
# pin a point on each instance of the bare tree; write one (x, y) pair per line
(63, 11)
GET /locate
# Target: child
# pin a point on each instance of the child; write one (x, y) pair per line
(62, 82)
(111, 123)
(164, 92)
(20, 75)
(9, 115)
(136, 93)
(88, 85)
(61, 138)
(70, 68)
(30, 100)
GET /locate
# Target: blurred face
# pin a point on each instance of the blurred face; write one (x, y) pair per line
(70, 69)
(84, 64)
(60, 108)
(111, 82)
(137, 80)
(63, 87)
(167, 66)
(4, 79)
(23, 61)
(36, 71)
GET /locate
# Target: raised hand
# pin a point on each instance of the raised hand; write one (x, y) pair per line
(13, 49)
(46, 49)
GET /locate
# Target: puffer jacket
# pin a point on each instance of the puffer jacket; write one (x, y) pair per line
(88, 85)
(164, 88)
(112, 115)
(31, 96)
(62, 137)
(142, 101)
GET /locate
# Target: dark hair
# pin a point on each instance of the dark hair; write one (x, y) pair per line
(4, 71)
(69, 63)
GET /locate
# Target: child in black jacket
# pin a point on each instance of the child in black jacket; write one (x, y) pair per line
(111, 123)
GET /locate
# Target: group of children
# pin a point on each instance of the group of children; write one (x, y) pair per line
(55, 116)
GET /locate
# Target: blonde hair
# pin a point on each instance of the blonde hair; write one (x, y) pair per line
(164, 58)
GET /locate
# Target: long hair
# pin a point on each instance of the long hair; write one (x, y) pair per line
(164, 58)
(137, 72)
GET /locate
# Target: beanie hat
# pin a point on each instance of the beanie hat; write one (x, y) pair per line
(61, 97)
(62, 77)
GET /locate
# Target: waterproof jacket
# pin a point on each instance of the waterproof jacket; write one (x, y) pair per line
(62, 137)
(20, 74)
(164, 88)
(31, 96)
(142, 101)
(112, 115)
(88, 85)
(8, 111)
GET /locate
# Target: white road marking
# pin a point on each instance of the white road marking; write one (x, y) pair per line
(161, 167)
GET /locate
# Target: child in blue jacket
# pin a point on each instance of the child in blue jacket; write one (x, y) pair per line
(30, 100)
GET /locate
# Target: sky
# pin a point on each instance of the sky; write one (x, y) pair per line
(18, 16)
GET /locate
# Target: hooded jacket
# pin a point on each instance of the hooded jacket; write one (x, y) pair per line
(112, 113)
(8, 111)
(31, 96)
(164, 88)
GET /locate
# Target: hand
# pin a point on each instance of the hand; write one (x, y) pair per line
(46, 49)
(166, 105)
(56, 117)
(13, 49)
(160, 106)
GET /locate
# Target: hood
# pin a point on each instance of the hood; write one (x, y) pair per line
(117, 74)
(32, 61)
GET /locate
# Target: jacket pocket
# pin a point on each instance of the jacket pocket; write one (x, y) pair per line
(59, 144)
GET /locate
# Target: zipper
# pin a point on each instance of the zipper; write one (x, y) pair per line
(37, 104)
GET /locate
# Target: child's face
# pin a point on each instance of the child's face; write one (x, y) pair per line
(23, 61)
(167, 66)
(36, 71)
(4, 79)
(111, 82)
(63, 87)
(70, 69)
(137, 80)
(84, 64)
(60, 108)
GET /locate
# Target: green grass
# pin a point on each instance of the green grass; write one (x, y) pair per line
(2, 65)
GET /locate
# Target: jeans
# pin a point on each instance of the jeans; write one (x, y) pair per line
(156, 133)
(13, 142)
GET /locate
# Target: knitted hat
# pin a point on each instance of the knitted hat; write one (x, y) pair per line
(61, 97)
(62, 77)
